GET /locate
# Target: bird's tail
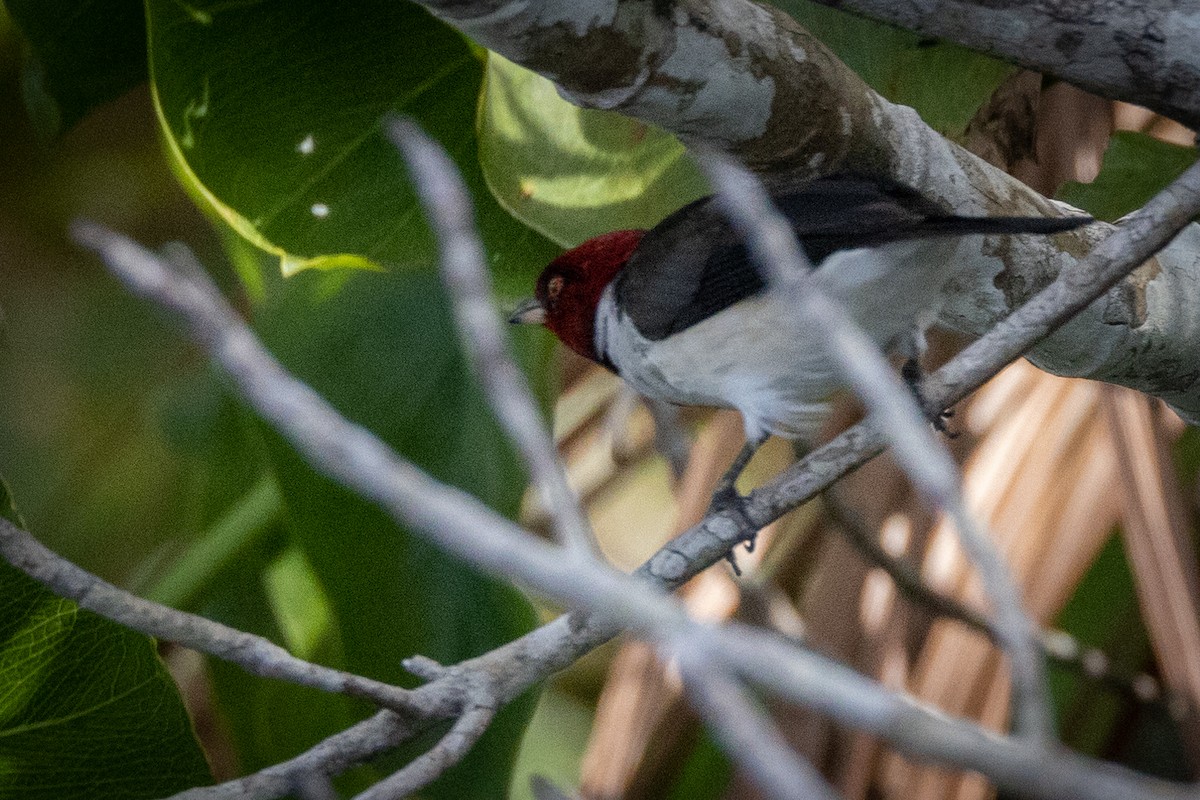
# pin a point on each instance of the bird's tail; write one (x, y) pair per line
(962, 226)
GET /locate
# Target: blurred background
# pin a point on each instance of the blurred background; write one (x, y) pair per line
(125, 453)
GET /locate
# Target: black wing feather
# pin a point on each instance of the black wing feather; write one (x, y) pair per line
(692, 265)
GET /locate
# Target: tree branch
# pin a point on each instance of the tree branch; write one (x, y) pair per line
(895, 412)
(477, 714)
(254, 654)
(344, 750)
(448, 207)
(1143, 53)
(746, 732)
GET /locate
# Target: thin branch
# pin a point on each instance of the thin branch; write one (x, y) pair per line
(451, 518)
(1020, 765)
(747, 734)
(254, 654)
(1137, 238)
(346, 749)
(894, 411)
(315, 786)
(448, 206)
(906, 578)
(1057, 646)
(423, 770)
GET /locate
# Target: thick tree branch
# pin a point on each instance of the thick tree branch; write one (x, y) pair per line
(1143, 53)
(1138, 238)
(746, 78)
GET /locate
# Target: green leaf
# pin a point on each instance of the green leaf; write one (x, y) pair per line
(243, 524)
(705, 774)
(274, 129)
(1135, 168)
(572, 173)
(272, 113)
(8, 508)
(944, 82)
(82, 53)
(270, 721)
(87, 710)
(1102, 613)
(382, 348)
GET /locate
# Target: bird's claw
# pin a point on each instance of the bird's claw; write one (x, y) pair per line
(912, 374)
(726, 500)
(939, 423)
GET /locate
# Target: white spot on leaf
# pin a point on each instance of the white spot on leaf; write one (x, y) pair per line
(320, 210)
(307, 145)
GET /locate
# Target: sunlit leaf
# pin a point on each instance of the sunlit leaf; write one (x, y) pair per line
(87, 710)
(273, 119)
(572, 173)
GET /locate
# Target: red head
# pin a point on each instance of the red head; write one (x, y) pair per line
(569, 289)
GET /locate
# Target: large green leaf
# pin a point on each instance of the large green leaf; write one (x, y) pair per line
(270, 721)
(1135, 168)
(381, 347)
(87, 710)
(81, 53)
(944, 82)
(573, 173)
(272, 115)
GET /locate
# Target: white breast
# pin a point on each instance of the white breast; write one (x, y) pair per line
(757, 358)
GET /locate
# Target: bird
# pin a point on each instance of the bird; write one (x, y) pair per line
(682, 313)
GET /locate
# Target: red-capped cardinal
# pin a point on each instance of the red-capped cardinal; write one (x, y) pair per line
(680, 311)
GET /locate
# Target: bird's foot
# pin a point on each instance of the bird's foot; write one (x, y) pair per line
(727, 501)
(939, 423)
(912, 374)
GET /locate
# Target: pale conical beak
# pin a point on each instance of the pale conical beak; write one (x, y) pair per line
(528, 312)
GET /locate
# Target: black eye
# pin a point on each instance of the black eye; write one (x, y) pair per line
(553, 290)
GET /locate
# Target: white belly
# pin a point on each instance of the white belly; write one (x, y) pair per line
(757, 358)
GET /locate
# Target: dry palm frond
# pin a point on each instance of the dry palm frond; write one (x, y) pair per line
(1158, 535)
